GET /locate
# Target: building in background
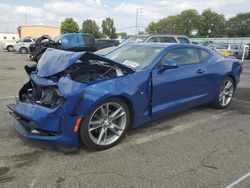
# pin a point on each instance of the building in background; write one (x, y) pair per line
(36, 31)
(8, 36)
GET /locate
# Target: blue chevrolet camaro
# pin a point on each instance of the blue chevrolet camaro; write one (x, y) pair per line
(80, 96)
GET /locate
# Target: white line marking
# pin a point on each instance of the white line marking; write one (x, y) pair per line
(238, 180)
(179, 128)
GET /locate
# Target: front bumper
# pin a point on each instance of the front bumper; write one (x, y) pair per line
(44, 124)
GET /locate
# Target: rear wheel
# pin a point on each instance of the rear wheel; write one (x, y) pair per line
(23, 50)
(106, 125)
(225, 93)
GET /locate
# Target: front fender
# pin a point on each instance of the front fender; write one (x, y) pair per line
(133, 87)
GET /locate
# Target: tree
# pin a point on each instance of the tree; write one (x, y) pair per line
(188, 22)
(183, 23)
(69, 26)
(211, 24)
(90, 26)
(239, 26)
(166, 25)
(108, 28)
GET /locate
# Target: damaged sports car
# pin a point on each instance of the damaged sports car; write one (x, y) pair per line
(74, 97)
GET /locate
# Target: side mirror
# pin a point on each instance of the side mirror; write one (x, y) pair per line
(170, 64)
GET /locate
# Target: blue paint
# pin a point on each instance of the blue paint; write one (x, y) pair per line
(150, 93)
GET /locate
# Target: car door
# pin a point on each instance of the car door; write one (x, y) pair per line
(184, 86)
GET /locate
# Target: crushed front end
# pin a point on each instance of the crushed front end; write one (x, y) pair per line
(47, 105)
(43, 113)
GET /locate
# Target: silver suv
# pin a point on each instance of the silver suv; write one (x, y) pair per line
(148, 38)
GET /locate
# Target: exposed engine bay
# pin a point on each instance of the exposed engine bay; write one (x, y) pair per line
(83, 67)
(46, 96)
(50, 96)
(91, 71)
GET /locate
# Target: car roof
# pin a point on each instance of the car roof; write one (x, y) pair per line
(152, 44)
(163, 35)
(166, 45)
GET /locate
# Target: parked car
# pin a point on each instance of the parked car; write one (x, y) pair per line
(232, 50)
(75, 42)
(148, 38)
(105, 43)
(23, 47)
(38, 48)
(80, 96)
(10, 45)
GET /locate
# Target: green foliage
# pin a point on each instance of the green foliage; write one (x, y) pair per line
(190, 23)
(239, 26)
(69, 26)
(108, 28)
(184, 23)
(211, 24)
(90, 26)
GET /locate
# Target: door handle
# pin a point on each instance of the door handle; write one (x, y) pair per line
(200, 71)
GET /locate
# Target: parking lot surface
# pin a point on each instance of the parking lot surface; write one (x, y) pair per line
(201, 147)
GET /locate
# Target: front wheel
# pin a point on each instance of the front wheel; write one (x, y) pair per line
(10, 48)
(106, 125)
(225, 94)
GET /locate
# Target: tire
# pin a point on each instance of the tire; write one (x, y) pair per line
(98, 131)
(23, 50)
(10, 48)
(224, 94)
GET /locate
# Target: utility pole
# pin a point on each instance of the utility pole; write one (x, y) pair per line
(25, 18)
(138, 13)
(136, 22)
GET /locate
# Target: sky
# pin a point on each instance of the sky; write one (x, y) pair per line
(52, 12)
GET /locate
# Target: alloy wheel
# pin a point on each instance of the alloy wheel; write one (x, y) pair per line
(226, 93)
(107, 123)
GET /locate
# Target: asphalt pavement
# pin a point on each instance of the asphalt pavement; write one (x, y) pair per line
(201, 147)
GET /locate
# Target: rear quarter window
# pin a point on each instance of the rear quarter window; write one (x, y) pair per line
(162, 39)
(203, 54)
(183, 40)
(88, 40)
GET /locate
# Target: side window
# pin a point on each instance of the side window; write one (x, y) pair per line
(203, 54)
(153, 39)
(89, 40)
(238, 47)
(182, 56)
(183, 40)
(168, 40)
(233, 47)
(26, 40)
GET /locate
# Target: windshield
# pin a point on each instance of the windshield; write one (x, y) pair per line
(135, 57)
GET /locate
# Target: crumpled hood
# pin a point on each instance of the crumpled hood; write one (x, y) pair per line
(54, 61)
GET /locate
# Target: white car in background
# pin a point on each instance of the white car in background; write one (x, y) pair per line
(23, 47)
(10, 46)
